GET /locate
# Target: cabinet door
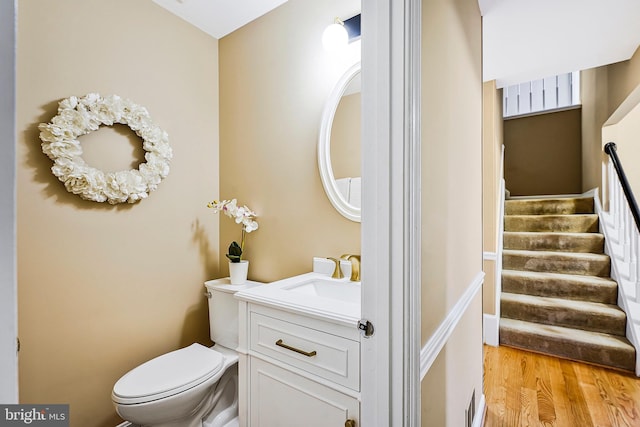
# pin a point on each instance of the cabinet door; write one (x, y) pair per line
(280, 398)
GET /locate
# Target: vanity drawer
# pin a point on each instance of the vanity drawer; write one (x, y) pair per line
(328, 356)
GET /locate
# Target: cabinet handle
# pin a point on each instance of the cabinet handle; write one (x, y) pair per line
(349, 423)
(279, 343)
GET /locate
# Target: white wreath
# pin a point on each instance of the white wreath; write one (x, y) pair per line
(79, 116)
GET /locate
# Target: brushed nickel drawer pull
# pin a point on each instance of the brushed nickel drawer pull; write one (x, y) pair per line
(279, 343)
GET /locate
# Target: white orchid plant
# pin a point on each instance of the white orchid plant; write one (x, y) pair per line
(242, 215)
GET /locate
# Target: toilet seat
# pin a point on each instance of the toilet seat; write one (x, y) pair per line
(168, 374)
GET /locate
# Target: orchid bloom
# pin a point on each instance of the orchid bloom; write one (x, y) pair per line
(241, 215)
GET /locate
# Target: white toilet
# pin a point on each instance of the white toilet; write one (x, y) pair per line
(191, 387)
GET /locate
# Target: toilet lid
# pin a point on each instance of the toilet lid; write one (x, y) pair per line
(168, 374)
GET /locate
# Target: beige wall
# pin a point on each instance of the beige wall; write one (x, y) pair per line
(626, 134)
(543, 154)
(492, 141)
(608, 94)
(452, 197)
(622, 78)
(593, 87)
(622, 126)
(455, 374)
(103, 288)
(274, 80)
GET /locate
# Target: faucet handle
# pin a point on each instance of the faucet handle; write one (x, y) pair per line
(355, 266)
(337, 272)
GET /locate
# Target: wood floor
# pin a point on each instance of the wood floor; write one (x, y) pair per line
(528, 389)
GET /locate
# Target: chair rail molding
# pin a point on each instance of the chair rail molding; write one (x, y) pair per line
(439, 339)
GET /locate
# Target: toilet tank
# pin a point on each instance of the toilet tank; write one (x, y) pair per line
(223, 311)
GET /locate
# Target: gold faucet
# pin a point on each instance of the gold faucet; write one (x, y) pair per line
(337, 272)
(355, 266)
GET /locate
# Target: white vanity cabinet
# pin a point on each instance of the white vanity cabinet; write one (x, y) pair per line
(296, 369)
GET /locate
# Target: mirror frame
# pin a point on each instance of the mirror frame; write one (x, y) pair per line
(324, 147)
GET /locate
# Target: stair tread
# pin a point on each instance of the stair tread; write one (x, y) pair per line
(571, 204)
(581, 223)
(554, 241)
(584, 263)
(560, 285)
(597, 280)
(569, 334)
(595, 308)
(549, 198)
(554, 215)
(555, 254)
(556, 233)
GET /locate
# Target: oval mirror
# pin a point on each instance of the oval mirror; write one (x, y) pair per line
(342, 112)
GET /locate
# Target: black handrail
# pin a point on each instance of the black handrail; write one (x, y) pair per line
(610, 149)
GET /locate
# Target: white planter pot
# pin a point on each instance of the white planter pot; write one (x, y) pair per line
(238, 272)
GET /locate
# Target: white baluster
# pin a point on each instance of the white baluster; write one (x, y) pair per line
(633, 254)
(607, 196)
(635, 266)
(636, 279)
(626, 235)
(619, 210)
(615, 212)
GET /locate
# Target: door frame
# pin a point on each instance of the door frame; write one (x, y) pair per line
(390, 359)
(8, 269)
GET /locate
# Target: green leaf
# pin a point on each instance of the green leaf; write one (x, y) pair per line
(235, 252)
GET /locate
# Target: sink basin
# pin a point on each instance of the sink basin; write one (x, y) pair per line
(314, 294)
(342, 291)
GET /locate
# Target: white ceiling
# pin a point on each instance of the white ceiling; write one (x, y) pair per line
(526, 40)
(219, 17)
(522, 39)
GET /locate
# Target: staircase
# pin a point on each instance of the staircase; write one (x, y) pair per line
(557, 295)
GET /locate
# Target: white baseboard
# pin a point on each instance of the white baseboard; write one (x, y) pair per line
(478, 420)
(491, 329)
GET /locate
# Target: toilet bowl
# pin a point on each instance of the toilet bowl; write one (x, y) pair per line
(195, 386)
(181, 388)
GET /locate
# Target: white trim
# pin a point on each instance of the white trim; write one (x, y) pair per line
(390, 255)
(491, 323)
(625, 300)
(554, 196)
(413, 213)
(375, 355)
(478, 420)
(439, 339)
(8, 264)
(539, 113)
(489, 256)
(491, 329)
